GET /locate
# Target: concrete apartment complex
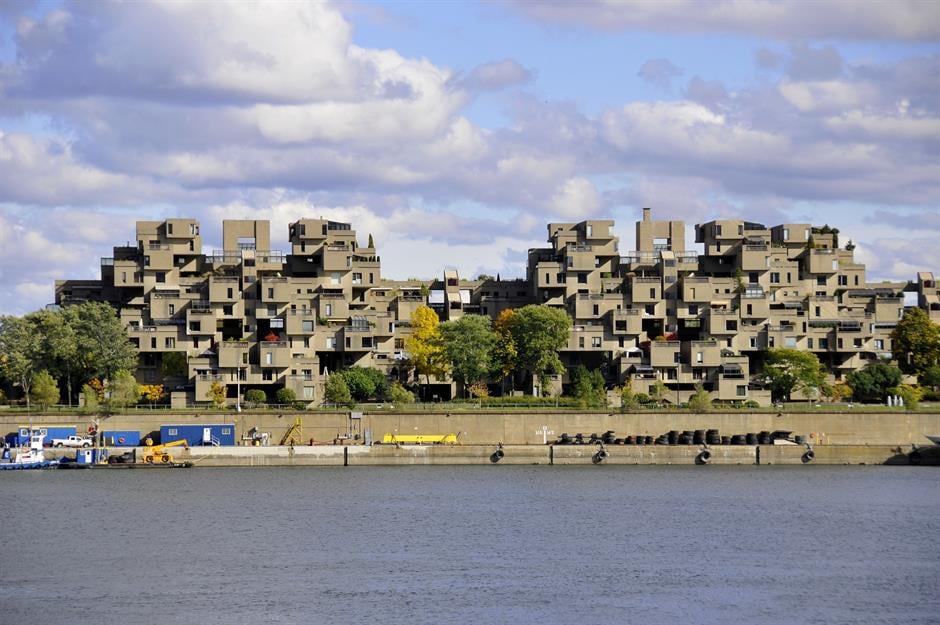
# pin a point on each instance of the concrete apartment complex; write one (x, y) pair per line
(252, 317)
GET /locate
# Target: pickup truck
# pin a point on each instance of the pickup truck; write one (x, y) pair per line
(72, 441)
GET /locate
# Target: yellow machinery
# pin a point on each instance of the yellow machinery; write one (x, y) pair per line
(294, 434)
(420, 439)
(157, 453)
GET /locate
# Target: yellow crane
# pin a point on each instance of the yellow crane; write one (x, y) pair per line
(158, 453)
(294, 434)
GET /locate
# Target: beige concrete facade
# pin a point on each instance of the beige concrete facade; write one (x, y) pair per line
(252, 317)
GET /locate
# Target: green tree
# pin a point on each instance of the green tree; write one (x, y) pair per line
(658, 391)
(58, 348)
(399, 394)
(123, 390)
(424, 346)
(173, 364)
(875, 382)
(916, 342)
(790, 370)
(931, 377)
(538, 333)
(910, 394)
(504, 354)
(337, 391)
(588, 387)
(628, 399)
(363, 382)
(20, 348)
(468, 347)
(90, 397)
(102, 342)
(255, 397)
(217, 394)
(701, 400)
(45, 390)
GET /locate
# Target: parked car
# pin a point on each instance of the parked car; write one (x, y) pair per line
(72, 441)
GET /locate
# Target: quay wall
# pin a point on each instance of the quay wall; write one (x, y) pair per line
(561, 455)
(526, 428)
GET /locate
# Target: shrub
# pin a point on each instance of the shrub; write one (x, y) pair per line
(90, 396)
(363, 383)
(874, 382)
(255, 397)
(216, 394)
(45, 390)
(285, 396)
(910, 394)
(400, 395)
(337, 391)
(700, 401)
(643, 399)
(123, 390)
(628, 399)
(751, 404)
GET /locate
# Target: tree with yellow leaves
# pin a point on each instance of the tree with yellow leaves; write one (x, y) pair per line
(505, 353)
(152, 392)
(425, 347)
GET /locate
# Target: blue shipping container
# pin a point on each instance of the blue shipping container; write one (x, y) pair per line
(22, 433)
(199, 435)
(120, 438)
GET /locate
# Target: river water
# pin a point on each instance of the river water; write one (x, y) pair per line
(519, 545)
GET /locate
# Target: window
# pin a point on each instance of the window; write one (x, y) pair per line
(367, 342)
(153, 343)
(858, 342)
(348, 342)
(270, 293)
(307, 325)
(700, 357)
(823, 343)
(308, 392)
(193, 229)
(548, 278)
(171, 431)
(753, 277)
(590, 230)
(169, 343)
(676, 357)
(879, 344)
(750, 309)
(171, 309)
(818, 311)
(334, 278)
(843, 280)
(820, 280)
(146, 261)
(653, 293)
(272, 310)
(809, 343)
(226, 430)
(161, 276)
(717, 230)
(227, 309)
(731, 324)
(582, 278)
(329, 310)
(371, 279)
(331, 342)
(775, 277)
(268, 358)
(595, 341)
(581, 342)
(230, 293)
(267, 375)
(357, 278)
(596, 310)
(693, 309)
(169, 228)
(650, 309)
(741, 390)
(753, 342)
(789, 341)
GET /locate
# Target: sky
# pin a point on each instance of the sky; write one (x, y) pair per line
(454, 132)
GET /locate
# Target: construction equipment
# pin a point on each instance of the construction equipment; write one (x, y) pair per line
(294, 434)
(157, 453)
(420, 439)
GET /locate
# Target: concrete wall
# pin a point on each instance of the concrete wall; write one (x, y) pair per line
(525, 428)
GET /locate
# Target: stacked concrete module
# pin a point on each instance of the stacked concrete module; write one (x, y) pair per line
(250, 317)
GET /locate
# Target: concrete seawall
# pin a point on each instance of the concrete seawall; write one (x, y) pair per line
(529, 427)
(562, 455)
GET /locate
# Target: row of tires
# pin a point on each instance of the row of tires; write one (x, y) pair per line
(676, 437)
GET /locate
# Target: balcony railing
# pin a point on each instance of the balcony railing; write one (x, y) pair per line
(638, 256)
(303, 312)
(107, 262)
(273, 344)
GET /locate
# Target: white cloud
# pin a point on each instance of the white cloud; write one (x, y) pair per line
(784, 19)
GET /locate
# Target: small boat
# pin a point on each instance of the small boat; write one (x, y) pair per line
(935, 439)
(31, 457)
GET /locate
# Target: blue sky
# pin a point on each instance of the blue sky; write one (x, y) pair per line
(455, 131)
